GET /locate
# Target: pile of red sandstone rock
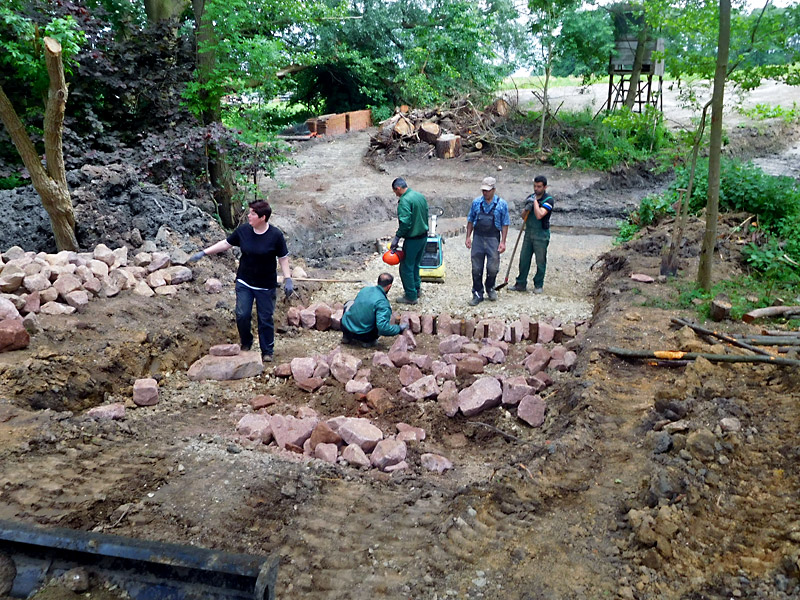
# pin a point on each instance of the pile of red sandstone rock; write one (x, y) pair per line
(423, 377)
(346, 439)
(60, 284)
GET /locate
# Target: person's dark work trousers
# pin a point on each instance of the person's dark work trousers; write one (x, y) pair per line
(370, 336)
(532, 246)
(484, 250)
(265, 307)
(413, 248)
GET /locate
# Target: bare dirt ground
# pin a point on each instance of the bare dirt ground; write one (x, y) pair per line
(630, 489)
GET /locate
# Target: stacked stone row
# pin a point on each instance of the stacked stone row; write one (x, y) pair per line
(322, 317)
(62, 283)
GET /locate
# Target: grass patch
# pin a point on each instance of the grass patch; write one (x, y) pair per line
(537, 82)
(745, 293)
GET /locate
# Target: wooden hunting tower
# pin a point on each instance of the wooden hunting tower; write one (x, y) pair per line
(650, 82)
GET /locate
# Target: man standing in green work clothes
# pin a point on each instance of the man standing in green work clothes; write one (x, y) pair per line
(536, 214)
(412, 215)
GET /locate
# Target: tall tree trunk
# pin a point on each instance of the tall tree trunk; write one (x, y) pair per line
(51, 184)
(636, 70)
(220, 174)
(715, 147)
(160, 10)
(545, 95)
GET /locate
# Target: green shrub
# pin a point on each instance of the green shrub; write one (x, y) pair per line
(746, 188)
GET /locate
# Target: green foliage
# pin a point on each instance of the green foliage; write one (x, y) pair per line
(12, 181)
(22, 52)
(762, 112)
(412, 52)
(744, 187)
(745, 293)
(585, 41)
(622, 137)
(652, 209)
(764, 44)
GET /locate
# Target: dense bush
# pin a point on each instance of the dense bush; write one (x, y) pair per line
(621, 137)
(774, 202)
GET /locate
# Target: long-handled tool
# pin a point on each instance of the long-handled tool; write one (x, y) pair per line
(513, 252)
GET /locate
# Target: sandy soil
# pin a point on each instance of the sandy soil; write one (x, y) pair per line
(630, 489)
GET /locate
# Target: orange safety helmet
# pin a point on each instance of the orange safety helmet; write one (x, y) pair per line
(393, 257)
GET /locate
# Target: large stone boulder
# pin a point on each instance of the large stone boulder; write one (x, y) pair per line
(387, 453)
(357, 431)
(255, 427)
(485, 393)
(531, 410)
(13, 335)
(344, 367)
(223, 368)
(289, 430)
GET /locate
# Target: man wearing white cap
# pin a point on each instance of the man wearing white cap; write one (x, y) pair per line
(488, 219)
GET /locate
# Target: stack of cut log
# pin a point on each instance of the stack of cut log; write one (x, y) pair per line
(449, 132)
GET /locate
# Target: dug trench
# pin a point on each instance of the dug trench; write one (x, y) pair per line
(631, 488)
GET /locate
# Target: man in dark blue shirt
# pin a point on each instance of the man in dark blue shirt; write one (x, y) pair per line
(537, 210)
(256, 278)
(488, 219)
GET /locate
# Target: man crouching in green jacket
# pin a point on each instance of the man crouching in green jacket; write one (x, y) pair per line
(369, 316)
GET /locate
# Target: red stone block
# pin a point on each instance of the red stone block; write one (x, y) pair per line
(358, 120)
(332, 124)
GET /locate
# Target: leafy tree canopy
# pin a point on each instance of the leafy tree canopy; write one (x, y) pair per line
(764, 42)
(584, 44)
(412, 52)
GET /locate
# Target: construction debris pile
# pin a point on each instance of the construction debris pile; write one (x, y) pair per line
(460, 129)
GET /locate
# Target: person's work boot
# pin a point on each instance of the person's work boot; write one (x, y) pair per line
(404, 300)
(476, 299)
(346, 339)
(517, 288)
(538, 291)
(370, 344)
(245, 347)
(491, 295)
(267, 358)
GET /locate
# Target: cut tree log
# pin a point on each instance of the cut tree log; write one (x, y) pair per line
(499, 107)
(720, 309)
(770, 340)
(770, 311)
(429, 132)
(448, 146)
(678, 355)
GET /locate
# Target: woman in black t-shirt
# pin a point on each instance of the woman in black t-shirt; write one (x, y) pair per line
(262, 247)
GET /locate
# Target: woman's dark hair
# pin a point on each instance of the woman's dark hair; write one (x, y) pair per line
(261, 208)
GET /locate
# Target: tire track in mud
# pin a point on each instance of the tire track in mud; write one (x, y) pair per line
(365, 540)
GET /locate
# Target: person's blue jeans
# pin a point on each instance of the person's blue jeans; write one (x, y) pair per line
(265, 308)
(484, 251)
(532, 246)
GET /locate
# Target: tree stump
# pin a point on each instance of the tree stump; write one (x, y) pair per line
(720, 309)
(500, 107)
(448, 146)
(429, 132)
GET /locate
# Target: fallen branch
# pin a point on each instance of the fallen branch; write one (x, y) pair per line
(721, 336)
(770, 311)
(678, 355)
(770, 340)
